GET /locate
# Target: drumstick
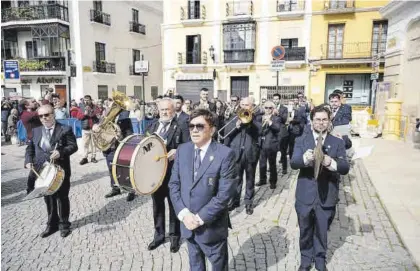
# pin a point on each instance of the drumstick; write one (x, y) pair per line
(55, 148)
(36, 173)
(157, 158)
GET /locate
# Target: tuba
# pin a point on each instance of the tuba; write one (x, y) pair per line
(107, 131)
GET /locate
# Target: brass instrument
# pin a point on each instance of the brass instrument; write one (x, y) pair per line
(266, 119)
(244, 115)
(107, 131)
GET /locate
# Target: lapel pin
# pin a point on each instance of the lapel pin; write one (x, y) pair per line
(328, 146)
(211, 158)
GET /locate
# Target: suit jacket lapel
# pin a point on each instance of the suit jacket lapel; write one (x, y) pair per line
(208, 159)
(310, 140)
(189, 160)
(171, 131)
(54, 136)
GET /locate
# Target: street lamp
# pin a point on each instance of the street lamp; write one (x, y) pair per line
(211, 50)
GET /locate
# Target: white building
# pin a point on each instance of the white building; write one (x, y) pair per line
(101, 40)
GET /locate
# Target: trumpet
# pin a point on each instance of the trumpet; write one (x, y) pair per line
(266, 119)
(245, 115)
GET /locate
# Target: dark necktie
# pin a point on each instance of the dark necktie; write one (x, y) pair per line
(197, 161)
(163, 131)
(318, 156)
(46, 141)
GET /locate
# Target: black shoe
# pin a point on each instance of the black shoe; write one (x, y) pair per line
(114, 192)
(130, 196)
(84, 161)
(284, 171)
(155, 244)
(273, 186)
(65, 232)
(260, 183)
(93, 160)
(175, 245)
(249, 209)
(233, 206)
(48, 231)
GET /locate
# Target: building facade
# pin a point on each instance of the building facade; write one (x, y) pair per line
(402, 57)
(348, 43)
(88, 47)
(225, 46)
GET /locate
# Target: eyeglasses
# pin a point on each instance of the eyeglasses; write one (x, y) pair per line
(321, 120)
(200, 127)
(44, 115)
(268, 107)
(234, 101)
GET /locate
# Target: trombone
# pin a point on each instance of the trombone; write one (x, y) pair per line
(245, 115)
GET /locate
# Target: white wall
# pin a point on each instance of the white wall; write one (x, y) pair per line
(23, 37)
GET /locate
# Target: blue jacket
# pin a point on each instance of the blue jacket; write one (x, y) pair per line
(325, 189)
(343, 115)
(209, 194)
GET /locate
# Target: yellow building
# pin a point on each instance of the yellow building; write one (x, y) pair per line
(225, 46)
(348, 42)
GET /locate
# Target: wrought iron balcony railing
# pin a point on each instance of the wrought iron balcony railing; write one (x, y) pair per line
(339, 5)
(238, 8)
(137, 27)
(353, 50)
(193, 12)
(239, 56)
(103, 67)
(290, 5)
(295, 54)
(38, 12)
(42, 64)
(192, 58)
(98, 16)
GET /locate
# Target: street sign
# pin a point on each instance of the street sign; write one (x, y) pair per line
(141, 66)
(278, 52)
(374, 76)
(278, 65)
(11, 71)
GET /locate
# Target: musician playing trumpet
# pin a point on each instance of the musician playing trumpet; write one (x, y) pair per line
(269, 143)
(321, 158)
(204, 102)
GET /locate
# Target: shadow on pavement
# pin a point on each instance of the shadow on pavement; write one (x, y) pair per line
(13, 186)
(89, 177)
(263, 249)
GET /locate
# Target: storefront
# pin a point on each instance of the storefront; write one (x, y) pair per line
(37, 86)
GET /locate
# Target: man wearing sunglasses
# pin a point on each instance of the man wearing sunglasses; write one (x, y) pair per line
(203, 180)
(173, 133)
(243, 139)
(53, 141)
(282, 112)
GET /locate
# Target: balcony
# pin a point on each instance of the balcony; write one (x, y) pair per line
(103, 67)
(239, 10)
(39, 66)
(137, 28)
(358, 52)
(193, 15)
(339, 6)
(100, 17)
(33, 13)
(192, 61)
(290, 9)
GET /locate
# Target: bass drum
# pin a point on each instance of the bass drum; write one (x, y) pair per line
(140, 164)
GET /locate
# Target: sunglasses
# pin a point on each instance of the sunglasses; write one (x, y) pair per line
(200, 127)
(44, 115)
(268, 107)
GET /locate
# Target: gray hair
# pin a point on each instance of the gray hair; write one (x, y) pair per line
(167, 99)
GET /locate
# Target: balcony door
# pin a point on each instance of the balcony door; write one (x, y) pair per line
(335, 40)
(193, 49)
(193, 9)
(379, 33)
(239, 86)
(99, 52)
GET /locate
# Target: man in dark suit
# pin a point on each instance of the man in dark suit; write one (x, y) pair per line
(296, 125)
(282, 112)
(204, 101)
(341, 113)
(269, 143)
(41, 148)
(180, 116)
(244, 141)
(173, 134)
(317, 196)
(203, 180)
(124, 122)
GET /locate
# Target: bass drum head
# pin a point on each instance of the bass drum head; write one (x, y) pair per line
(147, 173)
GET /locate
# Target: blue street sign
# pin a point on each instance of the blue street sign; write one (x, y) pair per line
(11, 71)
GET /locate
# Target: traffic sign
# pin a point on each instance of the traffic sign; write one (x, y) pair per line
(141, 66)
(278, 52)
(278, 65)
(11, 71)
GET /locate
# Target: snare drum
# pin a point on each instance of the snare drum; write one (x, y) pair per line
(49, 181)
(140, 164)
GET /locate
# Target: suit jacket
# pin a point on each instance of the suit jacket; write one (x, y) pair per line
(184, 120)
(343, 115)
(325, 189)
(297, 124)
(67, 145)
(245, 140)
(269, 139)
(209, 194)
(212, 106)
(283, 116)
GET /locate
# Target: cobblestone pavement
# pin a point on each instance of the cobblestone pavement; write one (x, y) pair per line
(112, 234)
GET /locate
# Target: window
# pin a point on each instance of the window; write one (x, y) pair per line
(100, 51)
(335, 40)
(138, 92)
(97, 5)
(379, 34)
(194, 49)
(122, 89)
(135, 15)
(154, 92)
(31, 49)
(136, 55)
(193, 9)
(103, 92)
(239, 36)
(26, 90)
(289, 43)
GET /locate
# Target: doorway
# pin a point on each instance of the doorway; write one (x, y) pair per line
(62, 92)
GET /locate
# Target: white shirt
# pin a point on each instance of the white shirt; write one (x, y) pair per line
(333, 165)
(51, 129)
(185, 211)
